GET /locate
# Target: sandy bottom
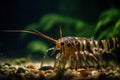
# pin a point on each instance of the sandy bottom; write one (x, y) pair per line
(21, 69)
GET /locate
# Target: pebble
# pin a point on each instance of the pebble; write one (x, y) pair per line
(49, 74)
(69, 74)
(20, 70)
(31, 66)
(44, 68)
(7, 64)
(94, 73)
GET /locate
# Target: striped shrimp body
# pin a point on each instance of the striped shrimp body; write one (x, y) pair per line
(82, 51)
(77, 51)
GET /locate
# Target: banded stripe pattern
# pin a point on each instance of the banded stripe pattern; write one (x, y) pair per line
(80, 52)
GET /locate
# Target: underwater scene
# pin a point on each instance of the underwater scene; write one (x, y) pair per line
(59, 40)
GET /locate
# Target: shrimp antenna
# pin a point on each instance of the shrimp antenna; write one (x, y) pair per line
(32, 32)
(60, 32)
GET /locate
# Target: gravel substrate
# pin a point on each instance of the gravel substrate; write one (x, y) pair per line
(34, 72)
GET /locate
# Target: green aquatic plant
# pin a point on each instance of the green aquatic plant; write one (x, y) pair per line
(70, 26)
(108, 24)
(116, 30)
(37, 46)
(49, 20)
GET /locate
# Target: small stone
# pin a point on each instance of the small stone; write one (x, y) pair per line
(48, 71)
(36, 71)
(80, 69)
(31, 66)
(117, 75)
(7, 64)
(12, 67)
(44, 68)
(20, 70)
(94, 73)
(49, 74)
(69, 73)
(29, 75)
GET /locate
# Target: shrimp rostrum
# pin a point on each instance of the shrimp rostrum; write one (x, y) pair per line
(77, 51)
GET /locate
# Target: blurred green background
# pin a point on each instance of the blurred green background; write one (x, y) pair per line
(82, 18)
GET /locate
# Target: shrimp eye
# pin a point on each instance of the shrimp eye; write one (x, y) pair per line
(62, 43)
